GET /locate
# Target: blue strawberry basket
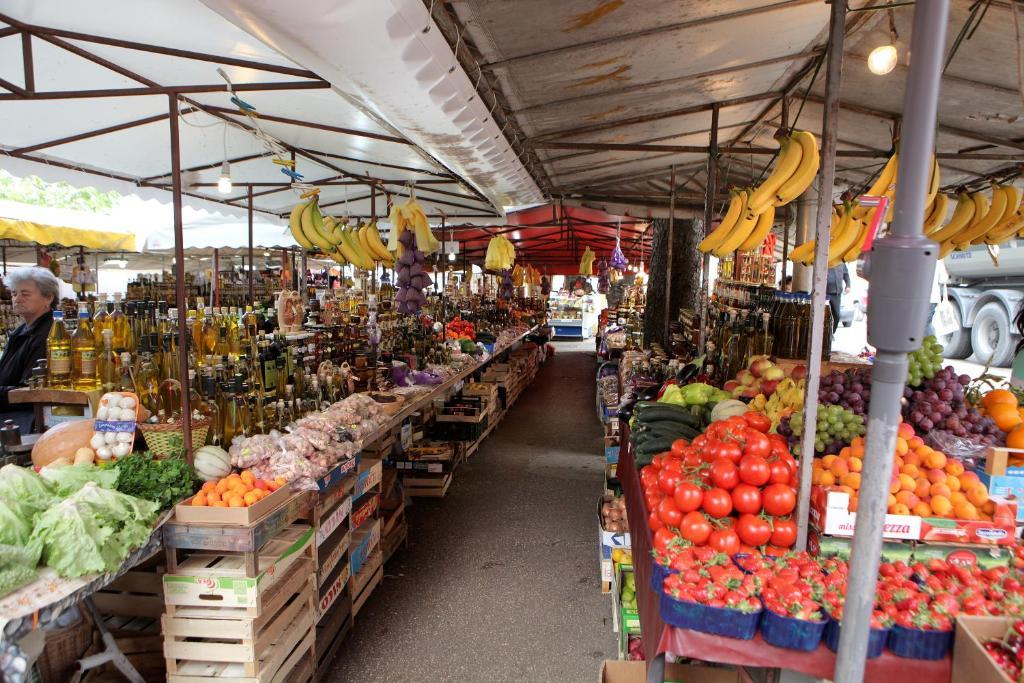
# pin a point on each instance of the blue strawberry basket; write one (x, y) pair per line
(791, 633)
(876, 641)
(915, 643)
(717, 621)
(658, 574)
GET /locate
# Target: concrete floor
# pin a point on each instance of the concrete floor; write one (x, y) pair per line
(500, 580)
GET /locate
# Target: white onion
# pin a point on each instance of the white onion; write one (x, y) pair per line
(124, 437)
(120, 450)
(110, 437)
(104, 453)
(127, 414)
(127, 401)
(113, 400)
(102, 413)
(97, 440)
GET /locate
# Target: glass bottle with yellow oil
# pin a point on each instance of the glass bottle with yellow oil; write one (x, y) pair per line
(83, 353)
(58, 354)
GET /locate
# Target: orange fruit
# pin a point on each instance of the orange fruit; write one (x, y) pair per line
(912, 458)
(910, 470)
(936, 476)
(854, 502)
(199, 500)
(212, 497)
(839, 468)
(250, 498)
(827, 461)
(939, 489)
(1005, 416)
(280, 481)
(923, 488)
(988, 507)
(915, 442)
(209, 486)
(965, 510)
(899, 509)
(998, 397)
(248, 477)
(969, 479)
(260, 493)
(856, 464)
(907, 498)
(941, 506)
(1015, 439)
(891, 501)
(221, 486)
(902, 447)
(922, 509)
(851, 479)
(958, 498)
(935, 460)
(905, 430)
(954, 467)
(845, 453)
(977, 495)
(219, 504)
(953, 483)
(907, 482)
(260, 484)
(826, 478)
(236, 502)
(857, 447)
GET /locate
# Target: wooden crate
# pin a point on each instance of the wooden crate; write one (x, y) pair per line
(395, 532)
(201, 644)
(368, 578)
(427, 485)
(331, 631)
(138, 592)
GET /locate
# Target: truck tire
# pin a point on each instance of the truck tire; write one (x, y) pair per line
(992, 336)
(956, 345)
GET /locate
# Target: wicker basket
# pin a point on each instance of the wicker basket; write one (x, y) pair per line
(162, 438)
(64, 647)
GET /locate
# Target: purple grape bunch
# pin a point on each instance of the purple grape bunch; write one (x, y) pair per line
(850, 389)
(939, 407)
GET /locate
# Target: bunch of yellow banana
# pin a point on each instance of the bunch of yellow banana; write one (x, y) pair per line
(410, 216)
(309, 228)
(587, 262)
(369, 239)
(500, 254)
(751, 212)
(846, 238)
(518, 276)
(787, 398)
(979, 219)
(532, 276)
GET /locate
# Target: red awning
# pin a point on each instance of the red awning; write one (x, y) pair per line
(552, 238)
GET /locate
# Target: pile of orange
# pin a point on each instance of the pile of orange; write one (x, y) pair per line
(236, 491)
(924, 481)
(1002, 406)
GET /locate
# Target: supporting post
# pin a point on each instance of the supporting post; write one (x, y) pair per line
(709, 211)
(785, 247)
(180, 301)
(902, 266)
(215, 279)
(301, 282)
(668, 265)
(804, 222)
(250, 206)
(829, 137)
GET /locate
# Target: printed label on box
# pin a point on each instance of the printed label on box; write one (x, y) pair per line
(333, 521)
(336, 589)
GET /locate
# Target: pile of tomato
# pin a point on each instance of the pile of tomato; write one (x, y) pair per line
(732, 488)
(457, 328)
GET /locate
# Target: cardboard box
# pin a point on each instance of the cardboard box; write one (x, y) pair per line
(611, 539)
(984, 556)
(613, 671)
(628, 620)
(364, 541)
(830, 513)
(336, 475)
(366, 509)
(831, 546)
(1008, 486)
(190, 514)
(971, 664)
(998, 461)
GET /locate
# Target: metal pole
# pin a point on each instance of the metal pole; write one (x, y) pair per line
(668, 266)
(302, 280)
(804, 221)
(902, 267)
(215, 278)
(179, 277)
(829, 137)
(709, 209)
(785, 247)
(251, 293)
(444, 276)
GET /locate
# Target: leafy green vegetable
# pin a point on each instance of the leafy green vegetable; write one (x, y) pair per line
(24, 486)
(164, 482)
(15, 522)
(23, 555)
(14, 576)
(67, 480)
(93, 530)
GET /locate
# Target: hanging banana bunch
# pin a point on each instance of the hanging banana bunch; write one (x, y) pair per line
(410, 216)
(980, 219)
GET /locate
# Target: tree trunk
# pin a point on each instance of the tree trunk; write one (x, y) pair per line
(686, 266)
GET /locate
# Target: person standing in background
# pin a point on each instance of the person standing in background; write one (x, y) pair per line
(939, 280)
(838, 284)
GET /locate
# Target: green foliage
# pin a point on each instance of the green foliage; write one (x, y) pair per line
(34, 190)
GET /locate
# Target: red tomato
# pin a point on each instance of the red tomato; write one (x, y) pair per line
(754, 470)
(695, 528)
(663, 538)
(781, 472)
(667, 481)
(746, 499)
(758, 421)
(753, 530)
(678, 447)
(725, 474)
(724, 541)
(699, 441)
(717, 502)
(654, 521)
(669, 513)
(779, 499)
(674, 465)
(784, 533)
(756, 443)
(692, 457)
(779, 439)
(688, 497)
(658, 461)
(726, 449)
(653, 497)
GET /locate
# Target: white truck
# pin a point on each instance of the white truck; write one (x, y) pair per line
(986, 299)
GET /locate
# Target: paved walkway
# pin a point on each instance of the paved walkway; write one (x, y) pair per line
(500, 581)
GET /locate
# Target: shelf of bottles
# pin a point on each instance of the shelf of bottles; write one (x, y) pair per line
(746, 320)
(748, 268)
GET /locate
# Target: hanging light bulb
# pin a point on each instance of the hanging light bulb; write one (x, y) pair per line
(883, 58)
(451, 257)
(224, 182)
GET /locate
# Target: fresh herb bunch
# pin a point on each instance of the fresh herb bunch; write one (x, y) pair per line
(165, 481)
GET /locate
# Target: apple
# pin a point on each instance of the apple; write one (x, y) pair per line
(738, 390)
(768, 386)
(798, 372)
(773, 372)
(760, 366)
(749, 393)
(745, 378)
(730, 385)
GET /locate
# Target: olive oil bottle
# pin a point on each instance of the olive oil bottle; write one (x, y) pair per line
(58, 354)
(83, 353)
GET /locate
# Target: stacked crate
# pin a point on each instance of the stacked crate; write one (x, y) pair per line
(367, 563)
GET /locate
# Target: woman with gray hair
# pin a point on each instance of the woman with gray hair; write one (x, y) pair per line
(35, 292)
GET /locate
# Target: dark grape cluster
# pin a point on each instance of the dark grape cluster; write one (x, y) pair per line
(939, 405)
(850, 389)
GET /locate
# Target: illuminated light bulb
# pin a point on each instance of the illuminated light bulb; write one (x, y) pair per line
(224, 182)
(883, 59)
(451, 257)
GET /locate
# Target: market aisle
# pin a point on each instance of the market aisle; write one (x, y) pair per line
(500, 579)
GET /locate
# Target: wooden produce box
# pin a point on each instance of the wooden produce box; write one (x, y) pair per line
(331, 631)
(219, 582)
(139, 592)
(434, 457)
(200, 644)
(366, 580)
(423, 485)
(187, 513)
(394, 532)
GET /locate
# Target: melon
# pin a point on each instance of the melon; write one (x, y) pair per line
(211, 463)
(62, 441)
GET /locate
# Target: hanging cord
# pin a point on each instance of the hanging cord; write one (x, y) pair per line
(968, 29)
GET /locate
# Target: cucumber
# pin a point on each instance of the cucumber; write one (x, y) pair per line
(656, 412)
(666, 429)
(653, 446)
